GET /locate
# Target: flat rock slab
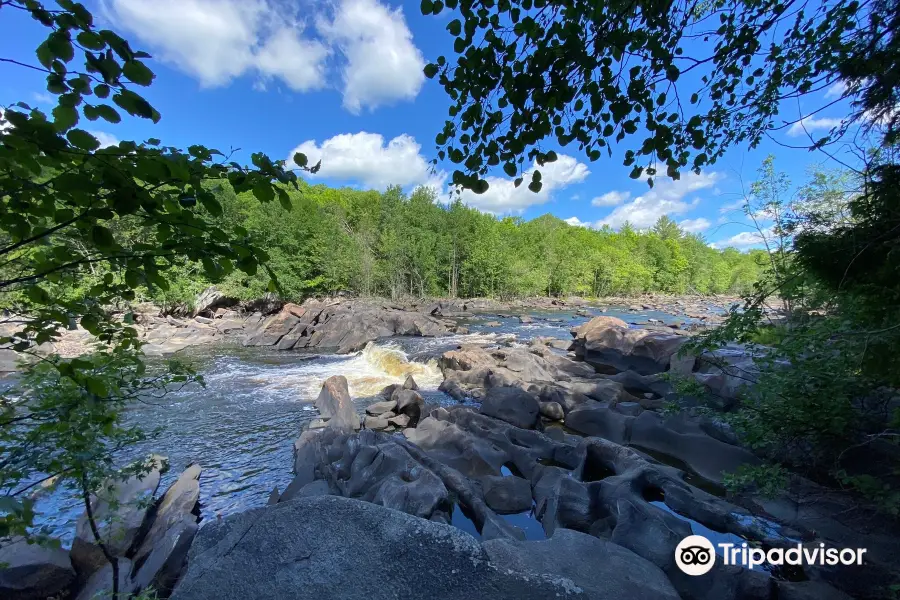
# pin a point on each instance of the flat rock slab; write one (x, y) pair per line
(331, 547)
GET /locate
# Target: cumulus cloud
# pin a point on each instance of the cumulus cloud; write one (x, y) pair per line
(576, 222)
(365, 158)
(812, 124)
(216, 41)
(836, 90)
(503, 197)
(694, 225)
(613, 198)
(105, 139)
(383, 64)
(745, 239)
(665, 198)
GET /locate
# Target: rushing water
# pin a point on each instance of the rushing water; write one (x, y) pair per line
(241, 426)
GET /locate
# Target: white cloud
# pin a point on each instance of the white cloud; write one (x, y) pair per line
(745, 239)
(44, 98)
(576, 222)
(613, 198)
(695, 225)
(736, 205)
(812, 124)
(365, 158)
(665, 198)
(835, 90)
(4, 124)
(216, 41)
(383, 64)
(105, 139)
(503, 197)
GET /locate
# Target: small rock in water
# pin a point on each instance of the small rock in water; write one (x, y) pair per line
(493, 324)
(379, 408)
(410, 384)
(400, 421)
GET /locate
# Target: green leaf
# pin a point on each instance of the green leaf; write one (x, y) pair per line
(426, 7)
(135, 105)
(91, 40)
(64, 117)
(535, 186)
(138, 73)
(102, 236)
(82, 139)
(300, 159)
(430, 70)
(454, 27)
(263, 191)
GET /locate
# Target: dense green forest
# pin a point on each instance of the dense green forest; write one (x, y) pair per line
(393, 244)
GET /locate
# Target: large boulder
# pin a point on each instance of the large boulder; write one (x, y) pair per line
(120, 510)
(99, 586)
(506, 494)
(513, 405)
(33, 572)
(331, 547)
(410, 403)
(611, 346)
(335, 405)
(340, 325)
(598, 568)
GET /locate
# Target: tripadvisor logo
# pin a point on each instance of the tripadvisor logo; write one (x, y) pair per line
(696, 555)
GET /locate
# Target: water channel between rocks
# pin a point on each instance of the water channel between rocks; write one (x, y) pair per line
(242, 425)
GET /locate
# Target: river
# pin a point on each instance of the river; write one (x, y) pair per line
(241, 426)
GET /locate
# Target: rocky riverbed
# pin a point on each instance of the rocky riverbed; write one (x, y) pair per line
(515, 464)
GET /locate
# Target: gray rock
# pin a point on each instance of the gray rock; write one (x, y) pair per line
(280, 552)
(506, 495)
(177, 504)
(165, 561)
(552, 410)
(119, 527)
(379, 408)
(512, 405)
(100, 587)
(334, 403)
(400, 421)
(600, 569)
(525, 319)
(33, 572)
(410, 403)
(378, 423)
(410, 384)
(203, 320)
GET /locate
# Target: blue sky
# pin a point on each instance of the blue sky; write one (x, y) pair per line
(342, 81)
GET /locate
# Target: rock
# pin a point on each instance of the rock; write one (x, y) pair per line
(163, 564)
(317, 424)
(177, 505)
(410, 403)
(335, 405)
(341, 325)
(379, 408)
(377, 423)
(274, 496)
(525, 319)
(280, 552)
(100, 587)
(598, 568)
(493, 324)
(203, 320)
(120, 527)
(507, 495)
(400, 421)
(552, 410)
(410, 384)
(210, 299)
(609, 345)
(33, 572)
(512, 405)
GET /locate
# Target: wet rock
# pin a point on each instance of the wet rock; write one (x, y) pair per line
(525, 319)
(119, 512)
(33, 572)
(552, 410)
(380, 408)
(335, 405)
(598, 568)
(512, 405)
(280, 552)
(506, 495)
(274, 496)
(493, 324)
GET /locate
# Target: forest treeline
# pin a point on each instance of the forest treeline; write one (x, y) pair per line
(394, 244)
